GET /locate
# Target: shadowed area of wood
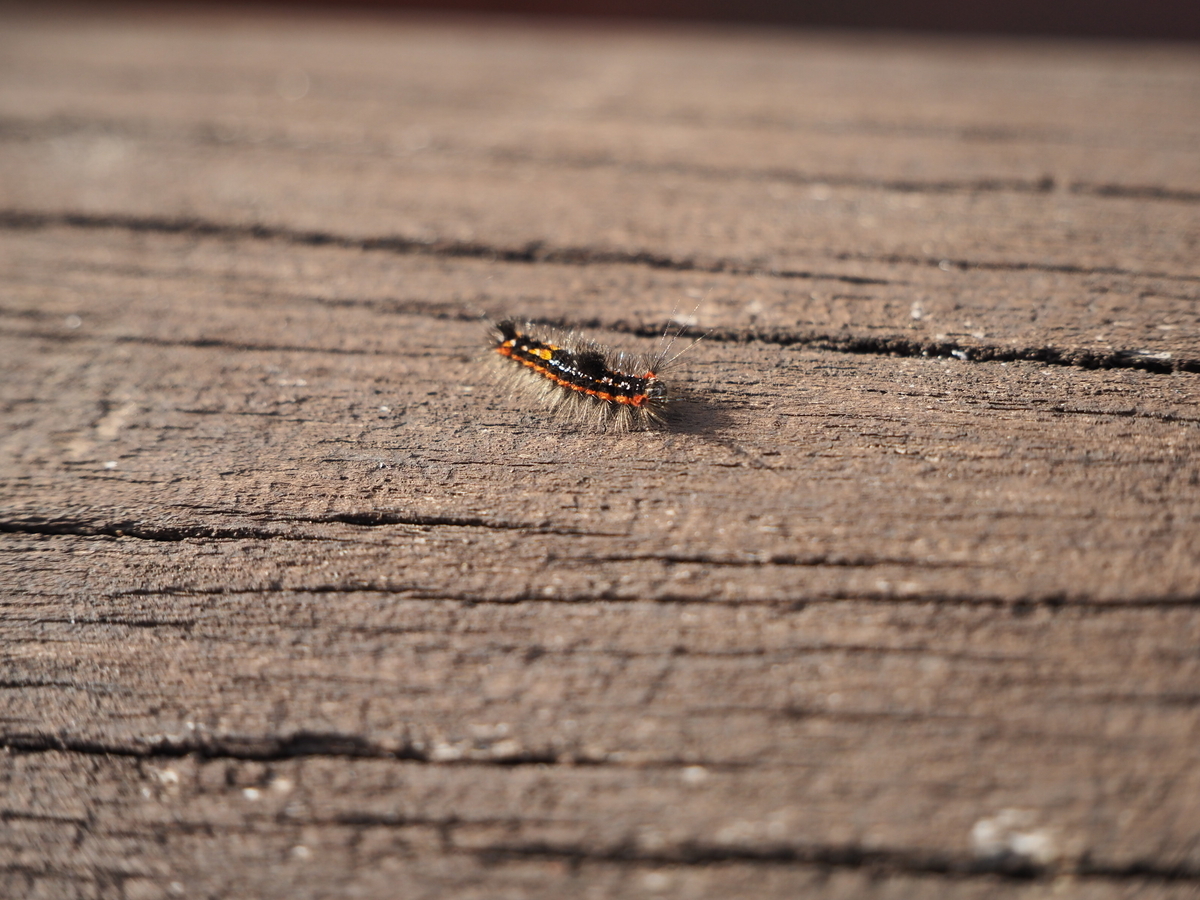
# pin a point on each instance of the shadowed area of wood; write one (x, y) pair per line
(904, 601)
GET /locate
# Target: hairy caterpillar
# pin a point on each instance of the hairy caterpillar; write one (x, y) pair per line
(580, 379)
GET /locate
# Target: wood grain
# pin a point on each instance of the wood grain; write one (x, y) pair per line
(296, 602)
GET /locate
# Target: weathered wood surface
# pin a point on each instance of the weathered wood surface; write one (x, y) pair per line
(905, 603)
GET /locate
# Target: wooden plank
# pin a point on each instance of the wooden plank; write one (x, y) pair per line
(869, 475)
(297, 604)
(1083, 181)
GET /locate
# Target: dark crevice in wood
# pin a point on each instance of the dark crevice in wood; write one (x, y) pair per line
(257, 750)
(7, 814)
(177, 533)
(881, 861)
(263, 749)
(966, 265)
(1139, 869)
(308, 744)
(775, 559)
(1017, 605)
(1043, 185)
(537, 251)
(103, 621)
(532, 252)
(383, 519)
(102, 881)
(1135, 192)
(130, 530)
(1155, 363)
(26, 684)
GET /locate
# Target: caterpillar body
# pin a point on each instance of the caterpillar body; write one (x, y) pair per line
(580, 379)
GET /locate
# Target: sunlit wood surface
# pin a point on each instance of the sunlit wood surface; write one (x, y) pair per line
(904, 602)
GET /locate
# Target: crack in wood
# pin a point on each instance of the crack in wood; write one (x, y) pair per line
(178, 533)
(383, 519)
(535, 251)
(1043, 185)
(966, 265)
(1135, 192)
(300, 744)
(884, 861)
(1153, 363)
(174, 534)
(777, 559)
(310, 744)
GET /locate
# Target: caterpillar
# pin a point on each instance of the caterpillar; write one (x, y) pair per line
(580, 379)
